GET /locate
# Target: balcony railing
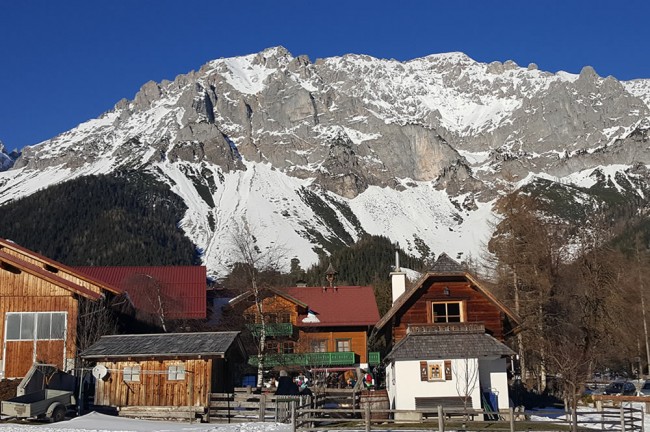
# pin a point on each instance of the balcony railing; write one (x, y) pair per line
(272, 329)
(308, 359)
(439, 328)
(374, 358)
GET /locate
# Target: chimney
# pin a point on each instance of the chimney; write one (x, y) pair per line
(397, 279)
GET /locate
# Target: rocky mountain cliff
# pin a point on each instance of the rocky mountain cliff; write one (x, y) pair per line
(313, 154)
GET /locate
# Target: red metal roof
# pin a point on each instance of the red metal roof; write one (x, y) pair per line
(339, 306)
(182, 289)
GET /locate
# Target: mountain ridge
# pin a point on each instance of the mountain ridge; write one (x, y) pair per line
(415, 150)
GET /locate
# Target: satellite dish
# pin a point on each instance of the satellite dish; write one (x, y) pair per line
(100, 372)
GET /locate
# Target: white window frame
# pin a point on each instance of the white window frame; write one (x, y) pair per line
(436, 365)
(131, 373)
(37, 317)
(176, 372)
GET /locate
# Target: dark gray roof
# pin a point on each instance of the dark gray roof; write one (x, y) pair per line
(161, 345)
(444, 264)
(447, 346)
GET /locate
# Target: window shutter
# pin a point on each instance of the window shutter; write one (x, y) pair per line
(448, 370)
(424, 373)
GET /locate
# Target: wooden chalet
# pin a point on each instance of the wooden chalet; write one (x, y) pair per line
(169, 369)
(446, 334)
(314, 327)
(39, 304)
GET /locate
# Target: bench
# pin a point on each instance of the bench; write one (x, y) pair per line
(451, 406)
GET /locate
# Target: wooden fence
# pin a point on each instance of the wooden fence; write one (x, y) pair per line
(325, 411)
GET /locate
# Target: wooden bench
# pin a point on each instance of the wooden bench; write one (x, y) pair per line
(451, 406)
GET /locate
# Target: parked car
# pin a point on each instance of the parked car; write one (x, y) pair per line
(620, 388)
(645, 389)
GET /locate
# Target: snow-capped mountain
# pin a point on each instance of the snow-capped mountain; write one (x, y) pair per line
(315, 154)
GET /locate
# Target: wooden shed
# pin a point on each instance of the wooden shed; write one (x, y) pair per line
(170, 369)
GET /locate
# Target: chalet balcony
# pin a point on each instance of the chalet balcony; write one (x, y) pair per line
(374, 358)
(272, 329)
(446, 328)
(308, 359)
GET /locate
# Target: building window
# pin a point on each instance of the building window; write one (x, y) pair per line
(272, 347)
(343, 345)
(284, 318)
(131, 373)
(435, 371)
(36, 325)
(176, 372)
(318, 345)
(287, 347)
(447, 312)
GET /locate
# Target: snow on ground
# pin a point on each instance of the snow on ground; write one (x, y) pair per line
(99, 423)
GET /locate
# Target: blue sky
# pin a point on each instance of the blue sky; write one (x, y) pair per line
(63, 62)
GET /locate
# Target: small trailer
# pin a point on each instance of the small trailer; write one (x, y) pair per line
(50, 404)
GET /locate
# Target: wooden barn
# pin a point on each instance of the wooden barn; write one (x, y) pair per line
(170, 369)
(39, 305)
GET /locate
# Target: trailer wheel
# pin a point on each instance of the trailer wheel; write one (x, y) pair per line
(58, 414)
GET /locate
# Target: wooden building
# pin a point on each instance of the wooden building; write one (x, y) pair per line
(170, 369)
(446, 334)
(39, 304)
(326, 326)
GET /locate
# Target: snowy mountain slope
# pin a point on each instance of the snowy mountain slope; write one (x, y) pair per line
(312, 155)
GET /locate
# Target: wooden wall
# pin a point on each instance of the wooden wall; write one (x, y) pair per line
(59, 272)
(275, 305)
(154, 389)
(477, 307)
(358, 340)
(22, 292)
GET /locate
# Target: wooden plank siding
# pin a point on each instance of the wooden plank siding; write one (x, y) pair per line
(57, 271)
(476, 308)
(358, 340)
(274, 305)
(154, 387)
(27, 293)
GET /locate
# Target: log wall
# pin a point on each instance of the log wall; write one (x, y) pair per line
(477, 308)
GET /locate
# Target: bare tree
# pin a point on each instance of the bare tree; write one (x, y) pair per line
(97, 318)
(256, 263)
(154, 302)
(527, 254)
(466, 375)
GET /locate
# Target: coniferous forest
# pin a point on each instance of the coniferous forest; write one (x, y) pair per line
(106, 220)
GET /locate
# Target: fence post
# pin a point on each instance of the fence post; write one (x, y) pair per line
(262, 414)
(367, 411)
(622, 418)
(512, 419)
(441, 419)
(293, 416)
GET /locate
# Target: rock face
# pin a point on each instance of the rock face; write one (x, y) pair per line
(346, 126)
